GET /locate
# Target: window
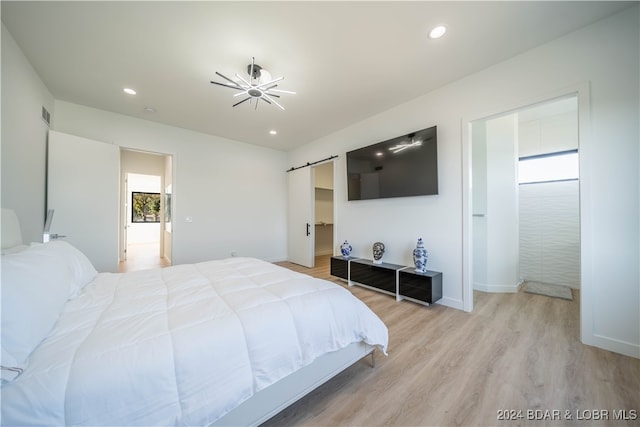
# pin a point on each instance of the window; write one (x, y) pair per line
(560, 166)
(145, 207)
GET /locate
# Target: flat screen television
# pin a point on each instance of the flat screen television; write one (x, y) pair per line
(400, 167)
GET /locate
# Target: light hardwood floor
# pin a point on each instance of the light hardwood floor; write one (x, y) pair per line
(515, 352)
(141, 256)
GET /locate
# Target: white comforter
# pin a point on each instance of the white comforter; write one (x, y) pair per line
(182, 345)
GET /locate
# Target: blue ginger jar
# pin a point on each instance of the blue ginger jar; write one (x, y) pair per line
(420, 256)
(346, 249)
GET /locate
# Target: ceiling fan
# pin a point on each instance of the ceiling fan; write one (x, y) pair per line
(260, 86)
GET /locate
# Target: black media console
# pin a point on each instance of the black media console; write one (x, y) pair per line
(398, 280)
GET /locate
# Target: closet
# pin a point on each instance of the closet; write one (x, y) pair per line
(323, 187)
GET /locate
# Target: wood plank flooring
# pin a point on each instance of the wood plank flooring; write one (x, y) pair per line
(142, 256)
(515, 352)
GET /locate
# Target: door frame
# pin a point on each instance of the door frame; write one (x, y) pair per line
(582, 92)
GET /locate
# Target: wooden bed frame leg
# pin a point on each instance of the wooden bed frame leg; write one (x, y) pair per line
(373, 358)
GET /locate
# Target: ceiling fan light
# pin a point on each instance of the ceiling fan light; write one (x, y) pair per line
(259, 86)
(437, 32)
(265, 76)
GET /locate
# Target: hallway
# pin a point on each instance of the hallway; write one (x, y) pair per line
(142, 256)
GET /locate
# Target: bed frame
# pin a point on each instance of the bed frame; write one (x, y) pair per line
(273, 399)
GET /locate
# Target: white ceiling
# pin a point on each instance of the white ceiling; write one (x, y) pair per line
(346, 60)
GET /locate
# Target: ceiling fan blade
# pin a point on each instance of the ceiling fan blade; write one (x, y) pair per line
(284, 91)
(243, 80)
(241, 93)
(234, 83)
(268, 98)
(226, 85)
(238, 103)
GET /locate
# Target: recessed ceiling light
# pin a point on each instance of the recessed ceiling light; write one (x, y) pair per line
(129, 91)
(437, 32)
(273, 132)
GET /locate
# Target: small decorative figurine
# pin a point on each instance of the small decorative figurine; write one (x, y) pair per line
(346, 249)
(420, 256)
(378, 251)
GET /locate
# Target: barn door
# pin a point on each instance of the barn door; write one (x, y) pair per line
(301, 217)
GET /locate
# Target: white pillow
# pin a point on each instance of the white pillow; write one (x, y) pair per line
(82, 269)
(14, 249)
(35, 288)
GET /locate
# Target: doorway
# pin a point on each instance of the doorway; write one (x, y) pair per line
(145, 210)
(525, 198)
(143, 222)
(323, 209)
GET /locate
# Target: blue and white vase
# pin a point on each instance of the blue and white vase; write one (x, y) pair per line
(420, 256)
(346, 249)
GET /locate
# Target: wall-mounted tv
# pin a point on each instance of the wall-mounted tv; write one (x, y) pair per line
(400, 167)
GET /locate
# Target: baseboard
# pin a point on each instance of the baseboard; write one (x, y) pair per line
(450, 302)
(616, 346)
(504, 289)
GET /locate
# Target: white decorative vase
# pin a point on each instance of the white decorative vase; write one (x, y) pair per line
(346, 249)
(420, 256)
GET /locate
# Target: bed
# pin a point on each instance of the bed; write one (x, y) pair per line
(223, 342)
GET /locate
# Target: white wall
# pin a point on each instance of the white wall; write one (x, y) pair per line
(604, 59)
(24, 136)
(234, 193)
(549, 133)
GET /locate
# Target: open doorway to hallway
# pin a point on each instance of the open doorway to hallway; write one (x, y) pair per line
(146, 232)
(144, 220)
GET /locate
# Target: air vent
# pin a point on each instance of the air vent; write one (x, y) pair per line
(46, 116)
